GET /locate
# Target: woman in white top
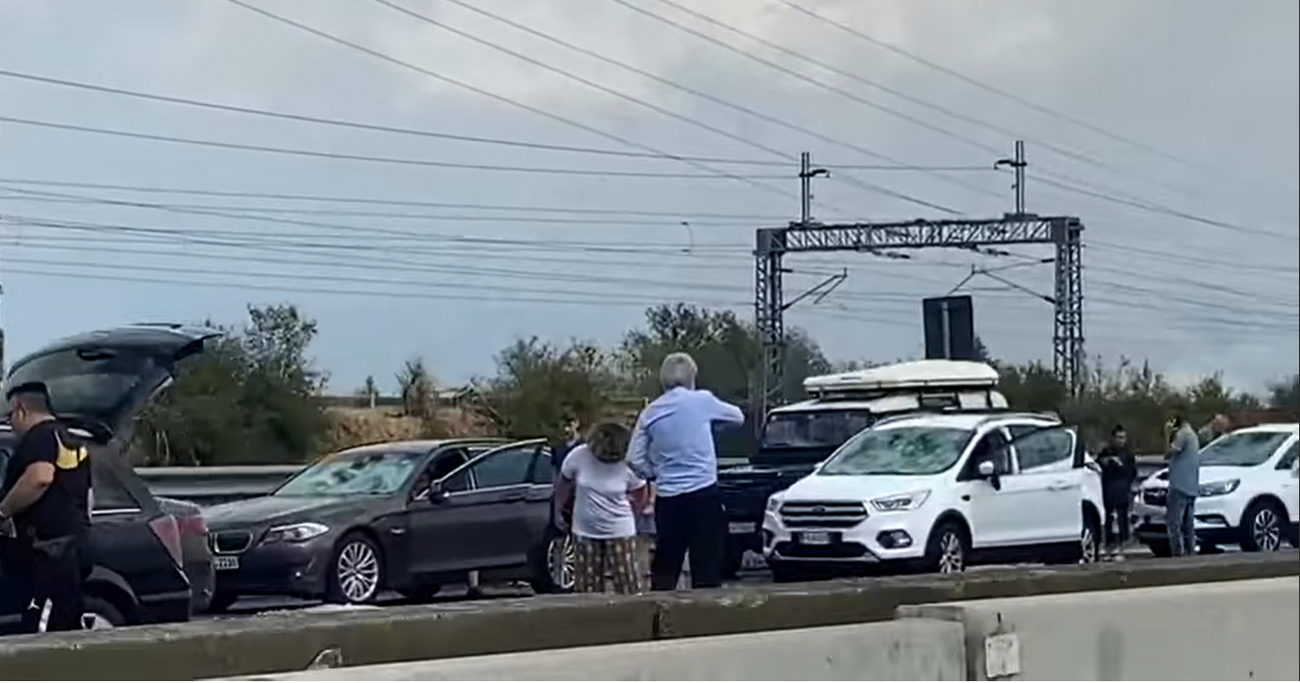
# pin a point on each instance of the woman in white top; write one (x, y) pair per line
(600, 489)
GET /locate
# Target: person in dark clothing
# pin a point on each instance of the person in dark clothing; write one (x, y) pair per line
(45, 505)
(1118, 472)
(571, 440)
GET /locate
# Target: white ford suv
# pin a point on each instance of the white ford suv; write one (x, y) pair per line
(1250, 492)
(940, 492)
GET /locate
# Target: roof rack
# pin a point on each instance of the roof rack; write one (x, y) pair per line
(990, 414)
(909, 376)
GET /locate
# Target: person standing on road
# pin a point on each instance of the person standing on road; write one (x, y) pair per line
(572, 430)
(46, 503)
(1184, 484)
(672, 446)
(1118, 472)
(597, 484)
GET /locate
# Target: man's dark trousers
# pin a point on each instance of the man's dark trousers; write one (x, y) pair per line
(694, 522)
(49, 575)
(1117, 521)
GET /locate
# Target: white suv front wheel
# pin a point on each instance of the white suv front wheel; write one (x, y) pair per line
(947, 549)
(1262, 527)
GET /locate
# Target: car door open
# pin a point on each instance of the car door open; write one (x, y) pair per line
(1050, 484)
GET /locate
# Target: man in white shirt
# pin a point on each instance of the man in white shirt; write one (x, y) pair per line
(672, 446)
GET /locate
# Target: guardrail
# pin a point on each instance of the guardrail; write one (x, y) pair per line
(212, 485)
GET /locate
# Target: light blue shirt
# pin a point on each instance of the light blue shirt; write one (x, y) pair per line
(1185, 461)
(672, 444)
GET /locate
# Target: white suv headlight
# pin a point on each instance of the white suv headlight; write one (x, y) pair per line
(901, 502)
(774, 502)
(1219, 488)
(295, 533)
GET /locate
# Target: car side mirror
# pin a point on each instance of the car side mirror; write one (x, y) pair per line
(437, 492)
(989, 472)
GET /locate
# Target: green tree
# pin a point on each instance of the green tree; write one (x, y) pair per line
(252, 398)
(538, 383)
(1285, 394)
(726, 349)
(417, 389)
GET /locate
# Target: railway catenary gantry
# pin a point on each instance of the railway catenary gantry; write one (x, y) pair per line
(1064, 232)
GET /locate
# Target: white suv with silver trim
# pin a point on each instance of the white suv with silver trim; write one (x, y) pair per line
(940, 492)
(1250, 492)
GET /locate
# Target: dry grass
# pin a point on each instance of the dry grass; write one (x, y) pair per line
(357, 426)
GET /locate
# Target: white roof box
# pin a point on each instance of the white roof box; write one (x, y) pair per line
(909, 376)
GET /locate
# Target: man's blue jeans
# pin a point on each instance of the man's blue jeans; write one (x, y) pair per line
(1180, 522)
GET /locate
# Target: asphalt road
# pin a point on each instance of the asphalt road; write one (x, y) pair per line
(754, 573)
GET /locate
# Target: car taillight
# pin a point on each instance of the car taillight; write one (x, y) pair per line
(193, 526)
(167, 531)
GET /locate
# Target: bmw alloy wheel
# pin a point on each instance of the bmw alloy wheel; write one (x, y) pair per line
(1265, 530)
(358, 571)
(952, 557)
(561, 553)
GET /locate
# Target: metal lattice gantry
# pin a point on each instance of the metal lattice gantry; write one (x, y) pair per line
(1062, 231)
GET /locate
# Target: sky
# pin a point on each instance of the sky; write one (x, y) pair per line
(499, 169)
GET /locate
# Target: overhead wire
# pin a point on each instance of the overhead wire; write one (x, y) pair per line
(946, 111)
(344, 156)
(1043, 176)
(388, 263)
(385, 128)
(325, 35)
(669, 83)
(1019, 99)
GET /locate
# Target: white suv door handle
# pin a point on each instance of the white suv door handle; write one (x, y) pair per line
(1059, 485)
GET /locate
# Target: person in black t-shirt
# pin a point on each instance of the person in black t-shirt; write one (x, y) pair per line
(1118, 472)
(46, 505)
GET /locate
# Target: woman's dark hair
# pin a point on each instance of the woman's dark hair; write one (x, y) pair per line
(1118, 428)
(608, 441)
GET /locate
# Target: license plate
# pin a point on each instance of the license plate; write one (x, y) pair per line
(742, 527)
(815, 538)
(225, 563)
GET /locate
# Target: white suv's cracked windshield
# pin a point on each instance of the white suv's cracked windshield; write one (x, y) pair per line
(345, 474)
(1243, 449)
(899, 450)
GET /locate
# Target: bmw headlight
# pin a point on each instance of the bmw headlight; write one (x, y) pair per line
(901, 502)
(295, 533)
(1219, 488)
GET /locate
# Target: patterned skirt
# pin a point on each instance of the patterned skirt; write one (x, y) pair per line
(615, 559)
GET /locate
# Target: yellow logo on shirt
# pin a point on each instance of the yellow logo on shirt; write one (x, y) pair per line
(70, 458)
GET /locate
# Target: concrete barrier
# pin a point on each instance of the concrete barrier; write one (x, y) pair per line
(1240, 630)
(905, 650)
(290, 642)
(1236, 631)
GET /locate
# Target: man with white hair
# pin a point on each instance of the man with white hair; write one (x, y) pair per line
(672, 446)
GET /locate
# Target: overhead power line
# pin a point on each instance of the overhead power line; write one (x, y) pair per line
(377, 201)
(489, 94)
(676, 85)
(970, 80)
(882, 87)
(383, 128)
(342, 156)
(388, 258)
(615, 92)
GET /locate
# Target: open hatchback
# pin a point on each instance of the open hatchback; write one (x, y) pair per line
(100, 381)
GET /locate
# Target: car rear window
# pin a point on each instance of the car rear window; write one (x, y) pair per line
(81, 384)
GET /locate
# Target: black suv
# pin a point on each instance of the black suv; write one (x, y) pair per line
(777, 463)
(99, 382)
